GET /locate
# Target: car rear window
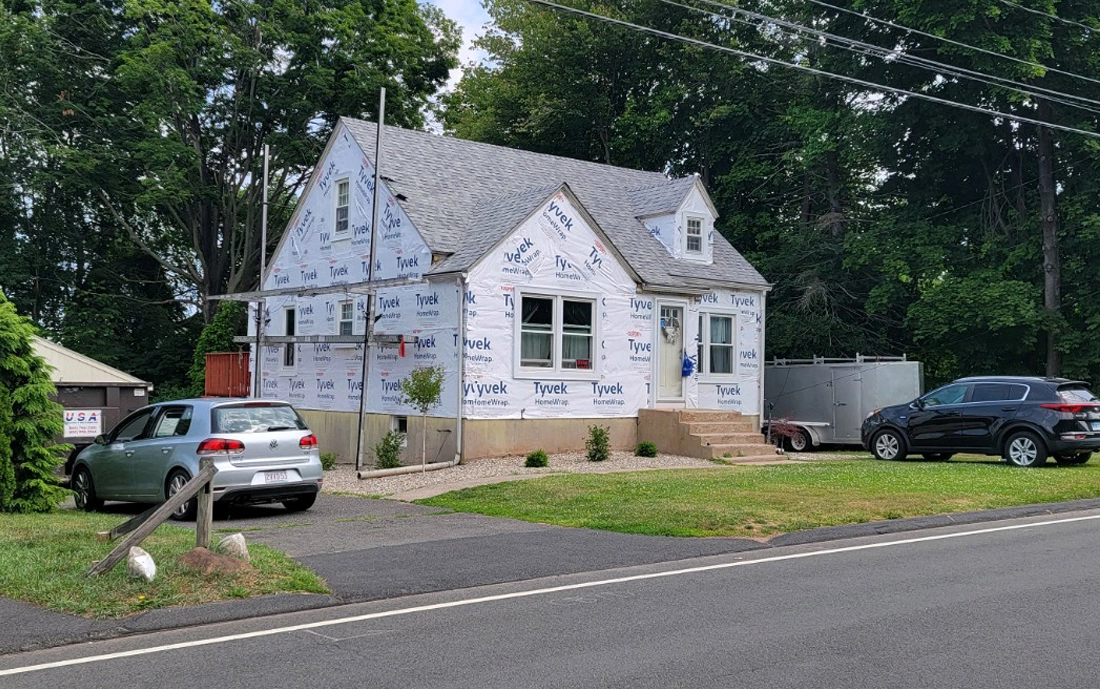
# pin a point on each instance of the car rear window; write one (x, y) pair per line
(998, 392)
(1076, 394)
(256, 419)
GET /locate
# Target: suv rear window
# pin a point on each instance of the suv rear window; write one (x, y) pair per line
(256, 419)
(1076, 394)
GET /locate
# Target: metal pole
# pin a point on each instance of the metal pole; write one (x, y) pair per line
(368, 326)
(258, 356)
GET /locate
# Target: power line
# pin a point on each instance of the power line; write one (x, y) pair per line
(960, 44)
(1041, 13)
(883, 53)
(812, 70)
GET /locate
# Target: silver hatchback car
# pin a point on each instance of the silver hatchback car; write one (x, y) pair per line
(263, 450)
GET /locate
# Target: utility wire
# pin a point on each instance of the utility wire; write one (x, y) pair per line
(960, 44)
(1041, 13)
(812, 70)
(870, 50)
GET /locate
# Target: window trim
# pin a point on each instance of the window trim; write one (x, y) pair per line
(336, 231)
(556, 371)
(688, 217)
(703, 343)
(340, 320)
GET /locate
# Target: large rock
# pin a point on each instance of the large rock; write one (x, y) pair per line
(234, 546)
(209, 562)
(140, 564)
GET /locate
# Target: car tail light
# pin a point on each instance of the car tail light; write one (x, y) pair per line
(308, 441)
(220, 446)
(1067, 408)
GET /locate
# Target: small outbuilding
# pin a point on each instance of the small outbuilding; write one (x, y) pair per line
(95, 396)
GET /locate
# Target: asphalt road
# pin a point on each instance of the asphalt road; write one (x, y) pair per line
(965, 606)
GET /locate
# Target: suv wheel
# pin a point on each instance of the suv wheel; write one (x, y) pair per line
(1025, 449)
(888, 444)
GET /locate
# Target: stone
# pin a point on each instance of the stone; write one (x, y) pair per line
(234, 546)
(209, 562)
(140, 564)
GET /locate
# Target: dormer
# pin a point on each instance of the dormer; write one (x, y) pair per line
(678, 214)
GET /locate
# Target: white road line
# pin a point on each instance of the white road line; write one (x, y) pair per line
(522, 594)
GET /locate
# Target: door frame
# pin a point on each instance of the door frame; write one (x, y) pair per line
(655, 398)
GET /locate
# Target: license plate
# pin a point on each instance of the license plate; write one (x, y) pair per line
(274, 476)
(1096, 425)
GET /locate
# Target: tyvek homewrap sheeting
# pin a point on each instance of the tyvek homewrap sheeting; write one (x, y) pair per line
(328, 376)
(554, 252)
(741, 390)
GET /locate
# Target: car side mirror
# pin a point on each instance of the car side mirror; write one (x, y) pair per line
(100, 439)
(916, 404)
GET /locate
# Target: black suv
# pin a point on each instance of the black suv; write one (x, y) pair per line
(1022, 419)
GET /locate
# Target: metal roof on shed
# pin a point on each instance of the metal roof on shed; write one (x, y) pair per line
(73, 368)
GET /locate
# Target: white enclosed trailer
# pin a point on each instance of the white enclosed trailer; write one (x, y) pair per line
(824, 401)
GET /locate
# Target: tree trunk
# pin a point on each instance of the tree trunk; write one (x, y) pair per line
(1052, 265)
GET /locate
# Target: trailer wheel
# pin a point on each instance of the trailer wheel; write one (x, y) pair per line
(799, 442)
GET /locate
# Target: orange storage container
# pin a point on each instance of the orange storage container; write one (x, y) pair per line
(227, 374)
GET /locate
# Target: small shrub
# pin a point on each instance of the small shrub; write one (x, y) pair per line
(598, 446)
(646, 449)
(387, 452)
(328, 461)
(536, 459)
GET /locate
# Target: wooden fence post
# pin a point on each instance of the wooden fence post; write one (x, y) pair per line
(204, 517)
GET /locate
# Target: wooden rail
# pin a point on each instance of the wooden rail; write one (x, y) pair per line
(147, 522)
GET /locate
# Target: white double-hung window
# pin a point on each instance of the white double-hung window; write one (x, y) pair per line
(347, 317)
(694, 237)
(716, 344)
(342, 202)
(556, 333)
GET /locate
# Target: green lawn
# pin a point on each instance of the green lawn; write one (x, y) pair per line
(759, 501)
(44, 557)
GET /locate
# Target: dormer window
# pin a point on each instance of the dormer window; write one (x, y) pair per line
(694, 236)
(342, 196)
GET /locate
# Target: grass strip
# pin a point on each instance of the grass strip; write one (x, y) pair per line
(762, 501)
(44, 558)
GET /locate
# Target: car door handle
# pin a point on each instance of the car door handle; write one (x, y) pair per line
(166, 450)
(1009, 408)
(129, 453)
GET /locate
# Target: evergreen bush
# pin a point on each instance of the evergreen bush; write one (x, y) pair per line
(646, 449)
(29, 421)
(536, 459)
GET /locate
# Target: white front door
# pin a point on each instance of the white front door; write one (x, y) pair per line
(670, 353)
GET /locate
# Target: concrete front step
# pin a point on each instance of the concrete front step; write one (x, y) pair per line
(708, 415)
(731, 439)
(742, 426)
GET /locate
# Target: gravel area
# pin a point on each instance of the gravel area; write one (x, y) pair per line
(344, 479)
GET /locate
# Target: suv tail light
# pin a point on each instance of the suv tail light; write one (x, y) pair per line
(1067, 408)
(308, 441)
(220, 446)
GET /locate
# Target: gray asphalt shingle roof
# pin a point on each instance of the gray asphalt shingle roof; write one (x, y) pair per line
(462, 195)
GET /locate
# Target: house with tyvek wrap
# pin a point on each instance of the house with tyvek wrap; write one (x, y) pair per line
(554, 293)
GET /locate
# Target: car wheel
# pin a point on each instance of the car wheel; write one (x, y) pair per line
(799, 442)
(1025, 449)
(300, 504)
(1078, 458)
(84, 491)
(888, 444)
(186, 511)
(938, 456)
